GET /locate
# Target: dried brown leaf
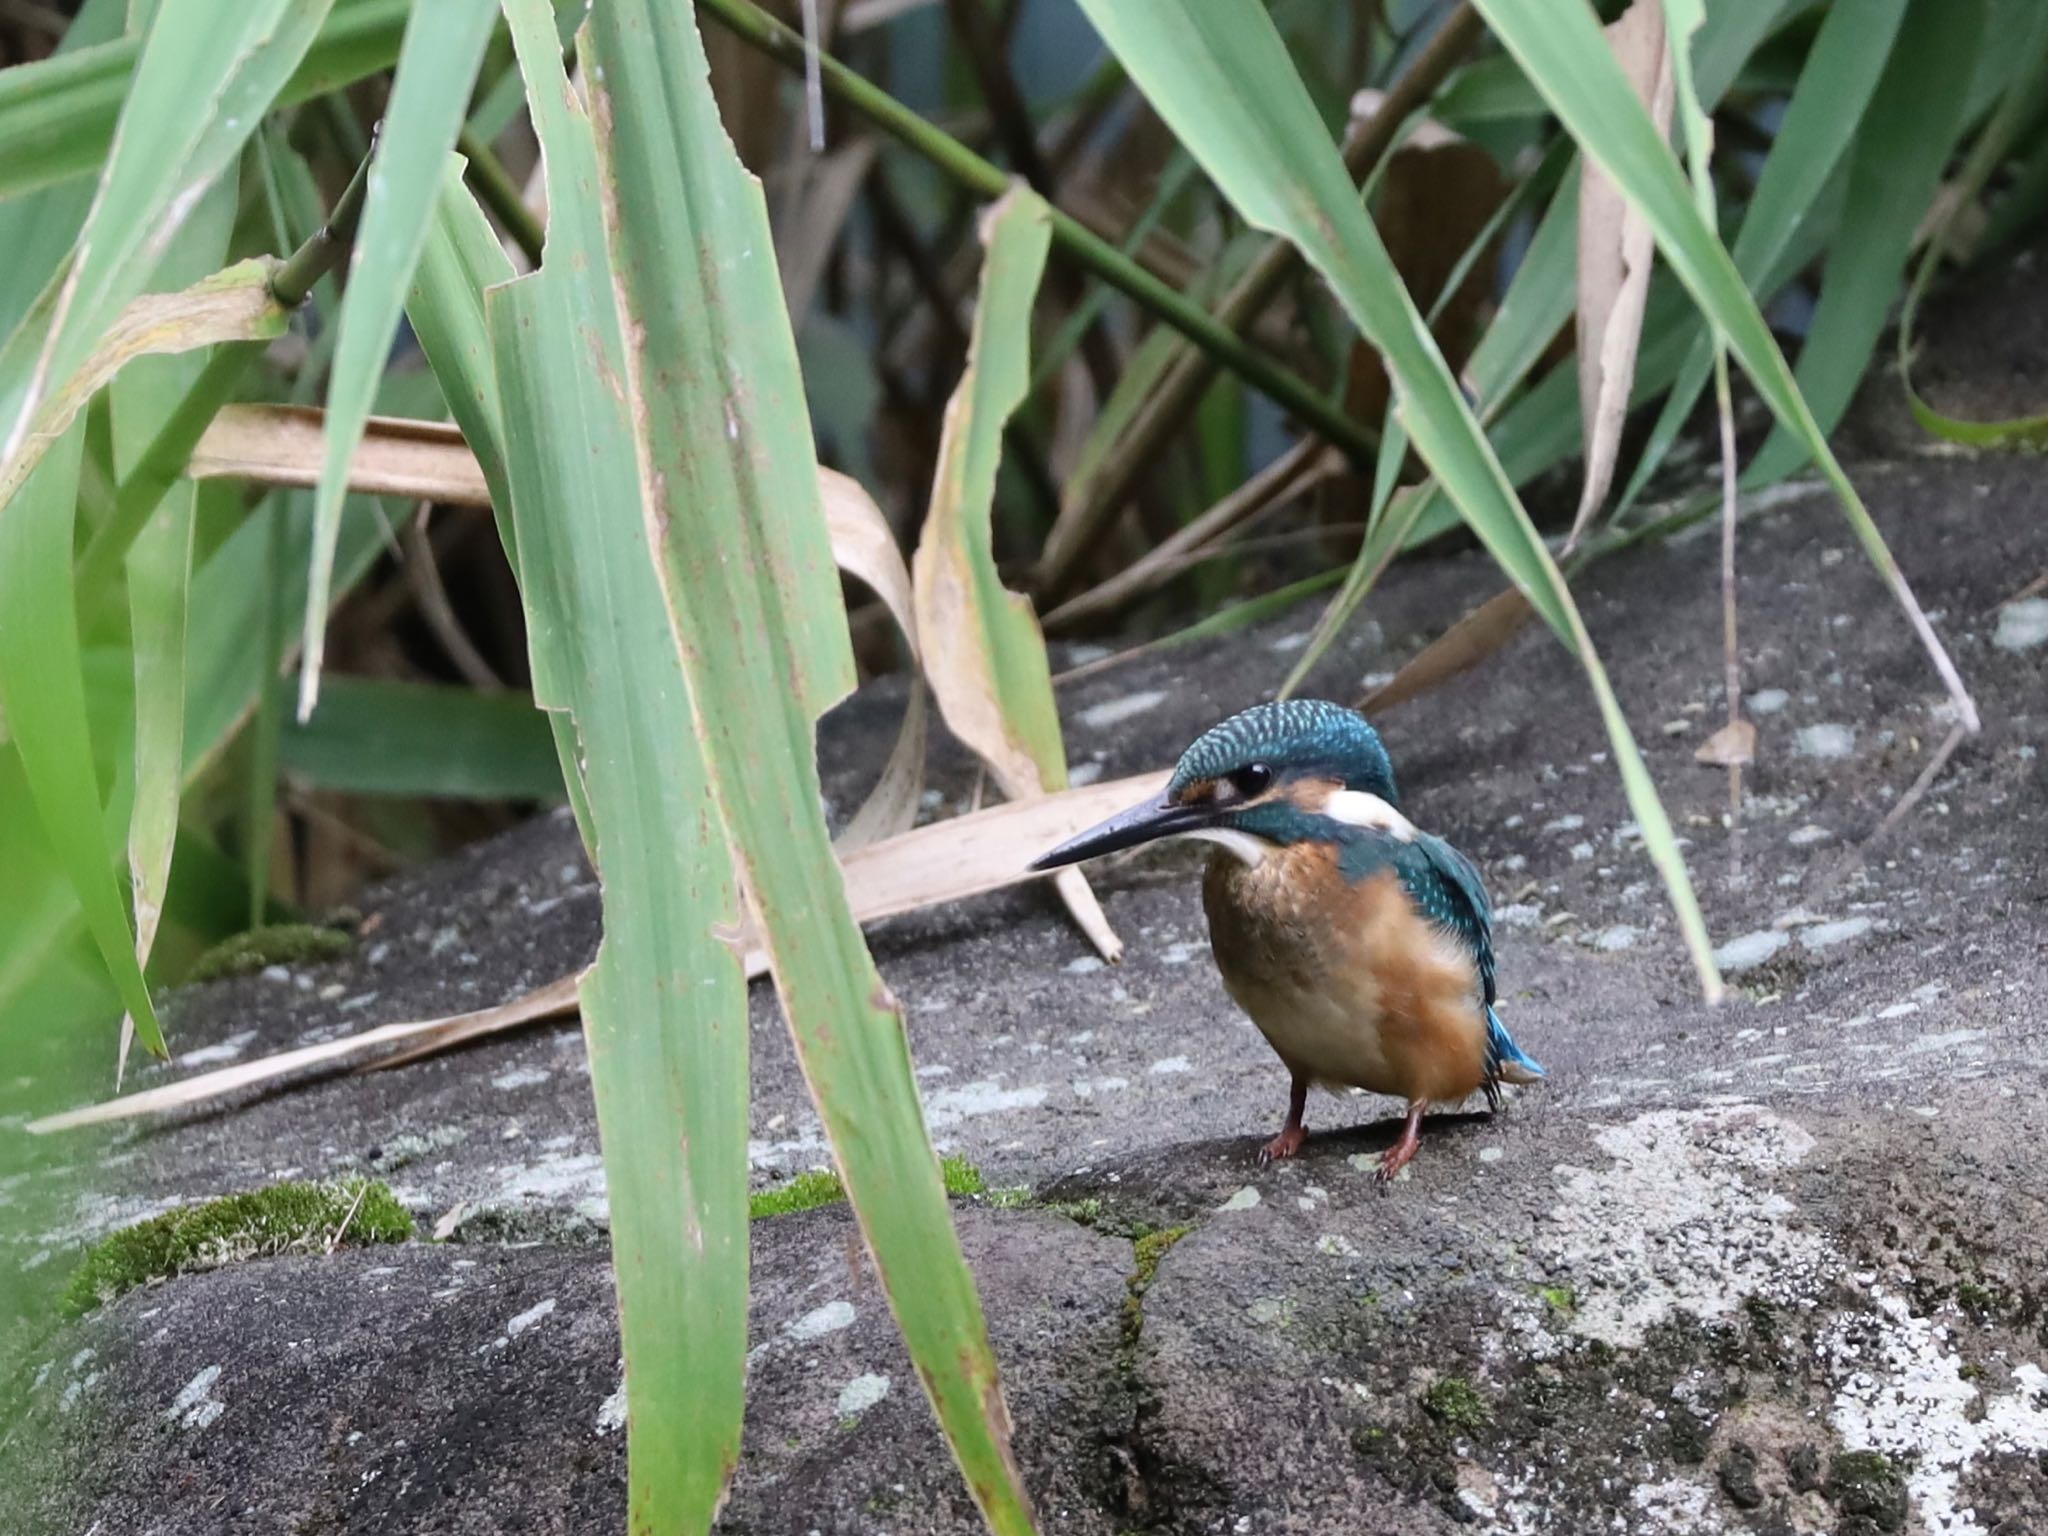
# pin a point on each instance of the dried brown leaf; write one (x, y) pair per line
(1731, 746)
(1457, 650)
(1616, 252)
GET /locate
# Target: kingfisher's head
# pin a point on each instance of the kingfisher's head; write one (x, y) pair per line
(1274, 775)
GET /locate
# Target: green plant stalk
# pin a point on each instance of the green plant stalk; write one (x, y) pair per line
(1179, 171)
(1378, 550)
(753, 601)
(997, 639)
(665, 1004)
(1071, 238)
(159, 572)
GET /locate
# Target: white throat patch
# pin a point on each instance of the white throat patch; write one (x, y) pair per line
(1250, 850)
(1356, 808)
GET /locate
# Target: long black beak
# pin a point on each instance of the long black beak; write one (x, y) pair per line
(1155, 818)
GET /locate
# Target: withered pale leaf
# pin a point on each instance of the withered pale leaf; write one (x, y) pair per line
(1616, 250)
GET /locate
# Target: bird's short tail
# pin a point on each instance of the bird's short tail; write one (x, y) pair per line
(1507, 1062)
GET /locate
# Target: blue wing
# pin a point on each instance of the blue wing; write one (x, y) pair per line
(1443, 884)
(1446, 888)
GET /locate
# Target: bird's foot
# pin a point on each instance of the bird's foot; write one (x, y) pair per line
(1283, 1146)
(1402, 1152)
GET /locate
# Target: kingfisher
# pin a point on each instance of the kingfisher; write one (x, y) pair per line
(1360, 945)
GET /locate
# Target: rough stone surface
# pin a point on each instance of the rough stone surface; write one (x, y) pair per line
(1775, 1268)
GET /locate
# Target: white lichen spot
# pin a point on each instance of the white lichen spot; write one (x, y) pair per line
(611, 1413)
(226, 1050)
(1903, 1394)
(1679, 1507)
(1824, 741)
(1620, 936)
(1826, 935)
(1337, 1246)
(819, 1321)
(1768, 701)
(520, 1077)
(861, 1394)
(1087, 965)
(1099, 717)
(949, 1106)
(1675, 1225)
(1170, 1065)
(1750, 951)
(1565, 824)
(1243, 1200)
(521, 1324)
(1808, 835)
(2022, 625)
(195, 1406)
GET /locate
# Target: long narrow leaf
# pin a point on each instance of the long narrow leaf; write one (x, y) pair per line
(1558, 44)
(1220, 76)
(729, 484)
(444, 45)
(159, 579)
(664, 1006)
(42, 690)
(985, 656)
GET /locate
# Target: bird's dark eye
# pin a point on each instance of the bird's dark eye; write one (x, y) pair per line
(1251, 779)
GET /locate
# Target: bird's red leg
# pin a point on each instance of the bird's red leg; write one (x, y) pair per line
(1293, 1133)
(1396, 1157)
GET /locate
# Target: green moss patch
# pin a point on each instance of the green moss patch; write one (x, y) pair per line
(1560, 1297)
(261, 948)
(1146, 1253)
(284, 1218)
(806, 1192)
(1870, 1492)
(821, 1186)
(1455, 1402)
(962, 1177)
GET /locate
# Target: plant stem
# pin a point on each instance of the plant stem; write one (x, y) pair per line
(164, 461)
(293, 281)
(1073, 240)
(497, 191)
